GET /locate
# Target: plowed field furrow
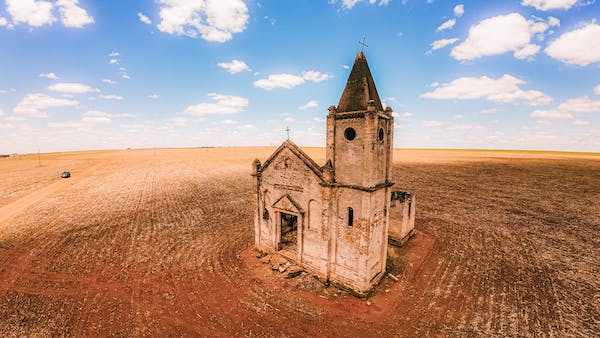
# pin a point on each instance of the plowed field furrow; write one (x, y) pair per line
(149, 244)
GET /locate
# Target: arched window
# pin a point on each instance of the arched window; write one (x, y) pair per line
(350, 217)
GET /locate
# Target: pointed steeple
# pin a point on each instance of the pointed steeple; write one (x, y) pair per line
(360, 88)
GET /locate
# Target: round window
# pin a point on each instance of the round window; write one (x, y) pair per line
(350, 134)
(381, 134)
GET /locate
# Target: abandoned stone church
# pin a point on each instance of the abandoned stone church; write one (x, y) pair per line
(335, 220)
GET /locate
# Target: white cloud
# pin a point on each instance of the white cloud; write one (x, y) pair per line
(114, 54)
(111, 97)
(50, 76)
(279, 81)
(545, 5)
(464, 127)
(566, 109)
(348, 4)
(6, 126)
(31, 12)
(26, 128)
(1, 112)
(553, 22)
(14, 118)
(552, 114)
(123, 115)
(498, 35)
(97, 113)
(580, 47)
(581, 123)
(309, 104)
(404, 115)
(490, 111)
(114, 61)
(3, 22)
(459, 10)
(153, 96)
(66, 125)
(176, 121)
(315, 76)
(96, 120)
(125, 76)
(318, 119)
(290, 81)
(458, 116)
(213, 20)
(430, 124)
(37, 13)
(224, 105)
(597, 90)
(580, 105)
(446, 25)
(345, 66)
(502, 90)
(35, 104)
(111, 82)
(144, 19)
(71, 15)
(246, 127)
(235, 66)
(438, 44)
(72, 88)
(527, 51)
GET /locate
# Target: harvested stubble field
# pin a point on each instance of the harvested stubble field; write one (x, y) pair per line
(149, 243)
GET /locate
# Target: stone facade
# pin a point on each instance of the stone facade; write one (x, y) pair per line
(334, 220)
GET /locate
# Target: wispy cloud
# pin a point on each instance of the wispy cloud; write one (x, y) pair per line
(235, 66)
(223, 105)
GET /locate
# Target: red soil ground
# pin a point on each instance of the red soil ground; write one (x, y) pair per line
(158, 243)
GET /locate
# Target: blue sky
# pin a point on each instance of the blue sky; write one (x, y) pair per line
(89, 74)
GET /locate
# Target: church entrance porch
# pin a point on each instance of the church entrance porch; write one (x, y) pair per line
(289, 232)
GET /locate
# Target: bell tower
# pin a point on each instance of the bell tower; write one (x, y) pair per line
(359, 160)
(360, 132)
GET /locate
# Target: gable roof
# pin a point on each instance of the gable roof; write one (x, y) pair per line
(360, 88)
(286, 202)
(288, 144)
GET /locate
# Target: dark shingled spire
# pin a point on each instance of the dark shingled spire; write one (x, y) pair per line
(360, 88)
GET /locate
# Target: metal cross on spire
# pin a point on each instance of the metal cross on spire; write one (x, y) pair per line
(363, 44)
(287, 129)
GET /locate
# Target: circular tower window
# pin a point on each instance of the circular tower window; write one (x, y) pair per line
(381, 134)
(350, 134)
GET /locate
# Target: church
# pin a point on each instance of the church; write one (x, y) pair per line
(335, 220)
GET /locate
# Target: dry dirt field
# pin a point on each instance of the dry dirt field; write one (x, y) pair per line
(150, 243)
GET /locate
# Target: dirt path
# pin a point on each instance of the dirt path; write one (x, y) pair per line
(10, 210)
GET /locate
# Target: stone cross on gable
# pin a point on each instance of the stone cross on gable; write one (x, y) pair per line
(287, 129)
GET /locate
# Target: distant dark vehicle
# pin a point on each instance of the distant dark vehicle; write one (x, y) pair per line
(65, 174)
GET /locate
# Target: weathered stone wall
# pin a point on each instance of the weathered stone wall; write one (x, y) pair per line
(349, 156)
(288, 175)
(361, 248)
(402, 215)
